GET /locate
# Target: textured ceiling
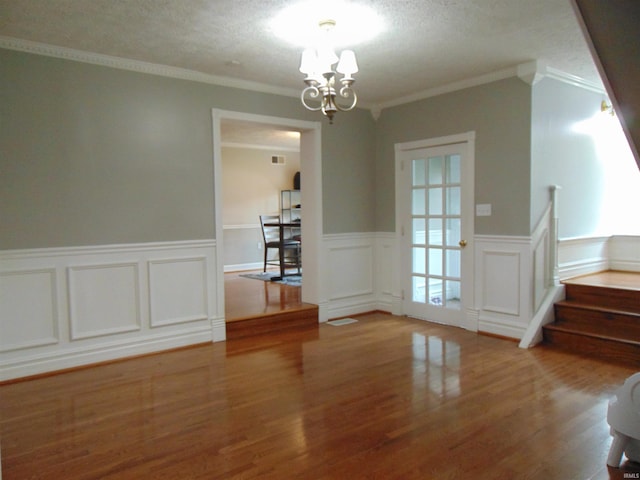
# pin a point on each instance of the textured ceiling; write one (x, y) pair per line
(425, 44)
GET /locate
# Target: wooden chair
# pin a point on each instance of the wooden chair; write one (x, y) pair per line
(271, 238)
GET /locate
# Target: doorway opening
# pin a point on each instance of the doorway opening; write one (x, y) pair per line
(310, 199)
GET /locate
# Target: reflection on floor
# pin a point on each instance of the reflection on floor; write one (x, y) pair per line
(255, 307)
(247, 297)
(386, 397)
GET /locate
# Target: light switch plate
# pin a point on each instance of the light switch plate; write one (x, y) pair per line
(483, 210)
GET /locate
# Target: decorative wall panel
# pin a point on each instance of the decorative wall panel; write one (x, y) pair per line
(178, 290)
(103, 299)
(29, 308)
(72, 306)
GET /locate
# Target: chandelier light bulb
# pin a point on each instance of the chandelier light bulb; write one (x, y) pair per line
(309, 62)
(347, 64)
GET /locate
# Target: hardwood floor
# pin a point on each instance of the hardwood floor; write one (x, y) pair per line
(246, 297)
(609, 278)
(386, 397)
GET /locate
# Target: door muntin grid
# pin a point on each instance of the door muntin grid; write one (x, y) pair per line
(436, 225)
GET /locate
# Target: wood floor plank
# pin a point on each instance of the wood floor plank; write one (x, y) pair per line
(386, 397)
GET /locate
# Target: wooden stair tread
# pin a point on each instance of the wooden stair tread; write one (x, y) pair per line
(599, 317)
(596, 308)
(608, 279)
(578, 331)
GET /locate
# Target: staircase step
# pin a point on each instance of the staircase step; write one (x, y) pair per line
(617, 296)
(600, 317)
(593, 345)
(305, 317)
(599, 320)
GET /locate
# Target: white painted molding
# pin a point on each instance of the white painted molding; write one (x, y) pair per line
(55, 51)
(503, 284)
(244, 226)
(239, 267)
(73, 306)
(624, 253)
(42, 306)
(173, 275)
(531, 72)
(104, 299)
(139, 66)
(253, 146)
(545, 315)
(50, 252)
(350, 273)
(451, 87)
(581, 256)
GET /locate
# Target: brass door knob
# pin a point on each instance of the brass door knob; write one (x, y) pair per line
(462, 243)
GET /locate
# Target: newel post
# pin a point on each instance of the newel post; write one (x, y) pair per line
(555, 277)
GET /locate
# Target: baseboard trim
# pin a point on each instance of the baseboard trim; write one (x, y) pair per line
(28, 366)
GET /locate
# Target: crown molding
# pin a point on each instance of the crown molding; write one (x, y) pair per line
(540, 71)
(55, 51)
(530, 72)
(252, 146)
(451, 87)
(574, 80)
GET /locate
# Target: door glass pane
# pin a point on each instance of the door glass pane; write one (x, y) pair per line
(453, 169)
(435, 231)
(452, 295)
(453, 201)
(418, 293)
(436, 223)
(419, 173)
(435, 171)
(453, 232)
(417, 202)
(419, 264)
(435, 201)
(452, 263)
(419, 234)
(435, 261)
(435, 291)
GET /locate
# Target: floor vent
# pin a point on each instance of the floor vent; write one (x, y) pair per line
(342, 321)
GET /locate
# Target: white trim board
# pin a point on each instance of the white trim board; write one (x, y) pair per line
(72, 306)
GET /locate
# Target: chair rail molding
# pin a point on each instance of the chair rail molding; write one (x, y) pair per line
(72, 306)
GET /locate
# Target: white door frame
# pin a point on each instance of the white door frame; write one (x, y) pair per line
(470, 318)
(311, 201)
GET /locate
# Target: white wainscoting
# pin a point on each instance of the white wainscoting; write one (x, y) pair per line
(66, 307)
(503, 274)
(358, 275)
(581, 256)
(624, 253)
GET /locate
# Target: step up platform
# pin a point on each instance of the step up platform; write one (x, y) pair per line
(303, 317)
(600, 317)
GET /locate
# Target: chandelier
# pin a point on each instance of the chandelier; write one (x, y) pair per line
(323, 86)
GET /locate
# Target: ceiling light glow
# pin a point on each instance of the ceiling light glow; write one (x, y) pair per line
(354, 23)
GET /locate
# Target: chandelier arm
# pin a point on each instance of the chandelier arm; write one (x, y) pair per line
(313, 92)
(346, 92)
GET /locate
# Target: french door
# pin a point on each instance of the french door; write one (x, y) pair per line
(436, 225)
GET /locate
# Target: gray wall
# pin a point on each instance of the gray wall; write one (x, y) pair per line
(92, 155)
(562, 155)
(584, 151)
(500, 114)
